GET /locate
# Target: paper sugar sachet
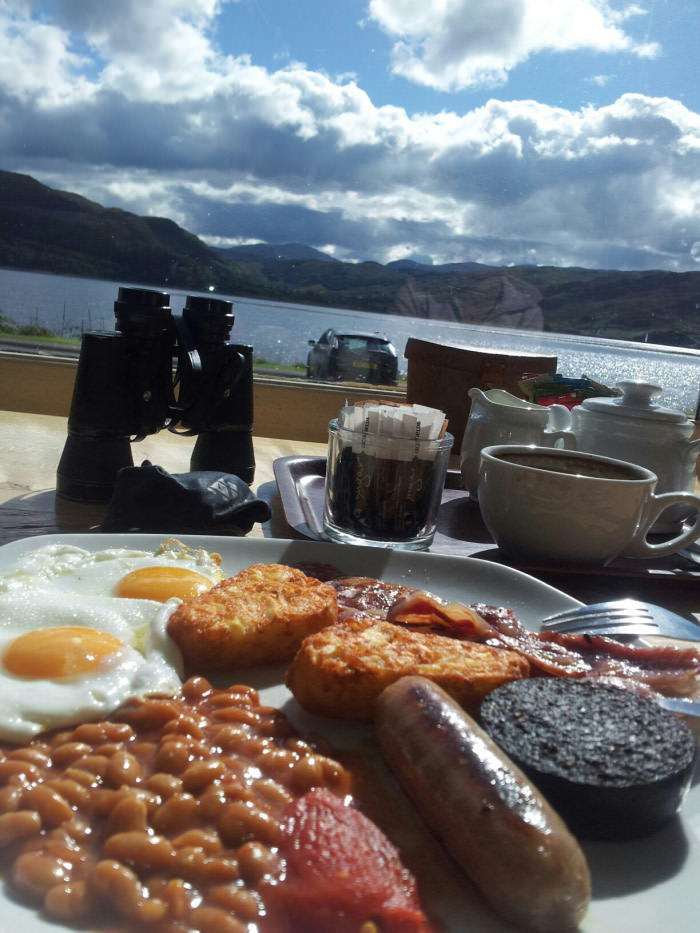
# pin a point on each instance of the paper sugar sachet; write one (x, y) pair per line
(381, 428)
(385, 474)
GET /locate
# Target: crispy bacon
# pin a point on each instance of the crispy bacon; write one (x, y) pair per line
(420, 609)
(670, 671)
(318, 570)
(492, 625)
(366, 596)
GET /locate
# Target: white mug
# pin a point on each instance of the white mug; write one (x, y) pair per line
(568, 506)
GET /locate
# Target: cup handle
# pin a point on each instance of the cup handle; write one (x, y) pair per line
(568, 438)
(640, 547)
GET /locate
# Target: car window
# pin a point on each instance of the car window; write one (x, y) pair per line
(358, 343)
(354, 343)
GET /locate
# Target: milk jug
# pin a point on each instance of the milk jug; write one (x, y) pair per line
(497, 417)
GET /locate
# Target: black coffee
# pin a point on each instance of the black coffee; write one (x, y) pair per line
(572, 465)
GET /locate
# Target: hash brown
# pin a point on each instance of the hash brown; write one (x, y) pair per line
(258, 616)
(341, 670)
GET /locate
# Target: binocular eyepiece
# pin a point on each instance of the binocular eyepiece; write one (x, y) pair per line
(158, 371)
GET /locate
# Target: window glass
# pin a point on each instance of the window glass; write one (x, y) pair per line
(484, 169)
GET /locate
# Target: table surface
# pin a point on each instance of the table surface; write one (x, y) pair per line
(31, 446)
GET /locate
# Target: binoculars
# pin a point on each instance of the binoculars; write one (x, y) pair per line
(158, 370)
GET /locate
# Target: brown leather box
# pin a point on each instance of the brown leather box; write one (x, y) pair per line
(440, 375)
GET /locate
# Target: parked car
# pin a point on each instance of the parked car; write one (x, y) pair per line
(353, 357)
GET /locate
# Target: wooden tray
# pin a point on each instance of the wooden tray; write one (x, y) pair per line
(460, 530)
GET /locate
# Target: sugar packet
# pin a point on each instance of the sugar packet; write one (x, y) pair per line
(386, 471)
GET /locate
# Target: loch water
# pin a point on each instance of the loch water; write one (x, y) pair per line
(280, 332)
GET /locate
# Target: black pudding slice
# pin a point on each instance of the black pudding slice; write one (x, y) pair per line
(613, 764)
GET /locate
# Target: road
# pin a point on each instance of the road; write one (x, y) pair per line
(40, 347)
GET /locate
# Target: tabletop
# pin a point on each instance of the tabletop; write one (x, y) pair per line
(32, 445)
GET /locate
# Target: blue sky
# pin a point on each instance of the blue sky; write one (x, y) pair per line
(562, 132)
(338, 37)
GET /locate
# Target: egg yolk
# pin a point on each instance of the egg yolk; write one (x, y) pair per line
(161, 583)
(61, 651)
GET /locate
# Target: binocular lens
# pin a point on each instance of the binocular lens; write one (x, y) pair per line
(143, 313)
(209, 319)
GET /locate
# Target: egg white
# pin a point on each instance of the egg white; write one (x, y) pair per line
(148, 662)
(63, 585)
(65, 568)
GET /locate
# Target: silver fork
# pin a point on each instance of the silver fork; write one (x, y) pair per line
(622, 617)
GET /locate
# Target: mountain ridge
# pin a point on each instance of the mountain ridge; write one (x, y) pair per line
(49, 230)
(251, 252)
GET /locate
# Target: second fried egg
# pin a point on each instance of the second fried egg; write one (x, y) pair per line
(174, 570)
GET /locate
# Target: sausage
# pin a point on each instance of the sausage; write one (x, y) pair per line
(496, 825)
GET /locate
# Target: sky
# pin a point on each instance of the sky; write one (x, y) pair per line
(549, 132)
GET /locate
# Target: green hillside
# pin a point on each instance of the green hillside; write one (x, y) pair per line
(61, 232)
(656, 306)
(47, 230)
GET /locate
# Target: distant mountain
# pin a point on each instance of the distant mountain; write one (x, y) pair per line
(410, 265)
(57, 231)
(254, 252)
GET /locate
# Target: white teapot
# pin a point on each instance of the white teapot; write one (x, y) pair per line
(497, 417)
(634, 428)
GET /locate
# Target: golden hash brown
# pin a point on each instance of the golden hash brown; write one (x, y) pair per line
(258, 616)
(341, 670)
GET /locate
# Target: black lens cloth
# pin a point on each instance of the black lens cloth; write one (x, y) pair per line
(147, 498)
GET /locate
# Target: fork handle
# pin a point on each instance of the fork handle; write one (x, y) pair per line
(640, 547)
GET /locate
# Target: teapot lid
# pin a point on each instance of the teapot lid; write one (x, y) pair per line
(635, 402)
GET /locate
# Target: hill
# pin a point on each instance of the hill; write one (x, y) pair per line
(259, 251)
(58, 231)
(55, 231)
(651, 306)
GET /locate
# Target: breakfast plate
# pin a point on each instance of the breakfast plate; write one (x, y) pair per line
(635, 884)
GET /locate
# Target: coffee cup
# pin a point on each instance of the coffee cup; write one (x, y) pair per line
(553, 505)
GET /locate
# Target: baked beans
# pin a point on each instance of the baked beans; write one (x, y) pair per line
(165, 817)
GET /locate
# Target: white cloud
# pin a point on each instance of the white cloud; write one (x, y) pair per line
(600, 80)
(38, 65)
(237, 153)
(154, 50)
(456, 44)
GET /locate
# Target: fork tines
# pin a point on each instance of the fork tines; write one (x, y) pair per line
(624, 617)
(614, 609)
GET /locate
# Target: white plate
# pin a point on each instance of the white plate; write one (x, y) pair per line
(642, 886)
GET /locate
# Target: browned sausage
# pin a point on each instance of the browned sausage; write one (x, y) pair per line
(500, 830)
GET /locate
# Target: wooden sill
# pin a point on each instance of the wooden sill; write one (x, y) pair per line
(283, 408)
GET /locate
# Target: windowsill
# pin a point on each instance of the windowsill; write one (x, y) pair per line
(283, 408)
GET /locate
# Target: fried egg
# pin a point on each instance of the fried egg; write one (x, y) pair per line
(82, 632)
(173, 570)
(78, 658)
